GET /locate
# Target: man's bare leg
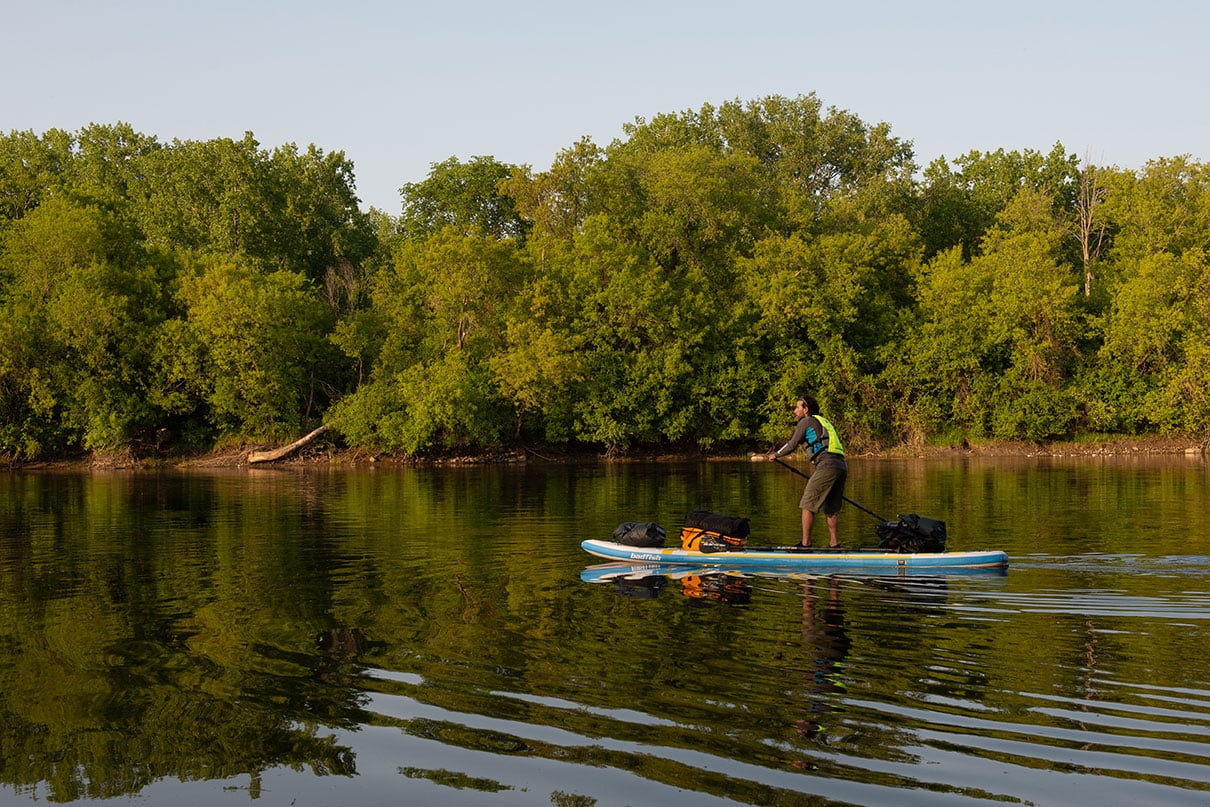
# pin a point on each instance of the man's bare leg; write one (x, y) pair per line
(833, 523)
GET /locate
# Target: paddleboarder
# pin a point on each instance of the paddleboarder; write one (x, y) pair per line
(825, 489)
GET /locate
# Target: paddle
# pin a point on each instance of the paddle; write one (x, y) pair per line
(846, 498)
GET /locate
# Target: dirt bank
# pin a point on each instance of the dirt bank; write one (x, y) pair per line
(1104, 447)
(331, 455)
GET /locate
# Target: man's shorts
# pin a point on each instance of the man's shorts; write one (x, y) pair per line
(825, 490)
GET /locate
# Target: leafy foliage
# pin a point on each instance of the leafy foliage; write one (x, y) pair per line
(676, 287)
(251, 347)
(80, 310)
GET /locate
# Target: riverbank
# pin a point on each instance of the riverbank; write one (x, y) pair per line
(329, 453)
(1106, 446)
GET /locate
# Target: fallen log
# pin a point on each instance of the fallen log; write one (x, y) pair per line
(285, 451)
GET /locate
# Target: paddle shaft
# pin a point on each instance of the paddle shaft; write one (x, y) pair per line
(846, 498)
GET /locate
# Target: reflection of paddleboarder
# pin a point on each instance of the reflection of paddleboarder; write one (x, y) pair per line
(827, 643)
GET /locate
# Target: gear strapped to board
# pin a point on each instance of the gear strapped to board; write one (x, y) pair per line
(714, 532)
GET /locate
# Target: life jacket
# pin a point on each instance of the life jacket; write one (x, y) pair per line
(817, 446)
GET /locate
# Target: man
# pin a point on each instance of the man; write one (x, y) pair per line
(825, 488)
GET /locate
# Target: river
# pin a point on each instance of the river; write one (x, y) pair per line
(389, 635)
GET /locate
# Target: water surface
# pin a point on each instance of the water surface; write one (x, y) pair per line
(427, 636)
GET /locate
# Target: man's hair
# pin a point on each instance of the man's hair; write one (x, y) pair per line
(812, 404)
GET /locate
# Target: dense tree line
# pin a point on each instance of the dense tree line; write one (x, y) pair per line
(674, 288)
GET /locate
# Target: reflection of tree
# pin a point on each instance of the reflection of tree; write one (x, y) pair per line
(827, 643)
(131, 655)
(119, 740)
(454, 779)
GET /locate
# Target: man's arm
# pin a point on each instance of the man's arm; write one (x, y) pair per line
(792, 443)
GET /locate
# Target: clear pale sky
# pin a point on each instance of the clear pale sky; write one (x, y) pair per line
(398, 86)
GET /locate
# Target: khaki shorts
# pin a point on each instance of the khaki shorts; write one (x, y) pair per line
(825, 490)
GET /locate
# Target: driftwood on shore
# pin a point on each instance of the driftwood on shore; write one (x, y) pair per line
(285, 451)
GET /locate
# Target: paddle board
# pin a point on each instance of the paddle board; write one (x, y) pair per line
(799, 558)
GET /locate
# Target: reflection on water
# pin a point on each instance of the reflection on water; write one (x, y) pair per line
(438, 637)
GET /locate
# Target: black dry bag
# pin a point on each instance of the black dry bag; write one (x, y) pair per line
(729, 526)
(644, 533)
(912, 533)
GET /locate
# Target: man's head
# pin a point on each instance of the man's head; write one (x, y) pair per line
(807, 405)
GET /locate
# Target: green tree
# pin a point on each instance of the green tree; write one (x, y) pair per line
(657, 272)
(828, 310)
(656, 236)
(815, 157)
(252, 348)
(626, 312)
(808, 156)
(1148, 374)
(203, 196)
(1155, 346)
(317, 228)
(79, 312)
(959, 204)
(106, 162)
(555, 203)
(279, 210)
(30, 168)
(443, 304)
(655, 265)
(538, 367)
(1034, 312)
(997, 337)
(938, 369)
(1164, 207)
(466, 196)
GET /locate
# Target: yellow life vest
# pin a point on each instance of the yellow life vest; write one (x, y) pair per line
(834, 446)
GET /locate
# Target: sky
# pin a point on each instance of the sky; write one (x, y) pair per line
(399, 86)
